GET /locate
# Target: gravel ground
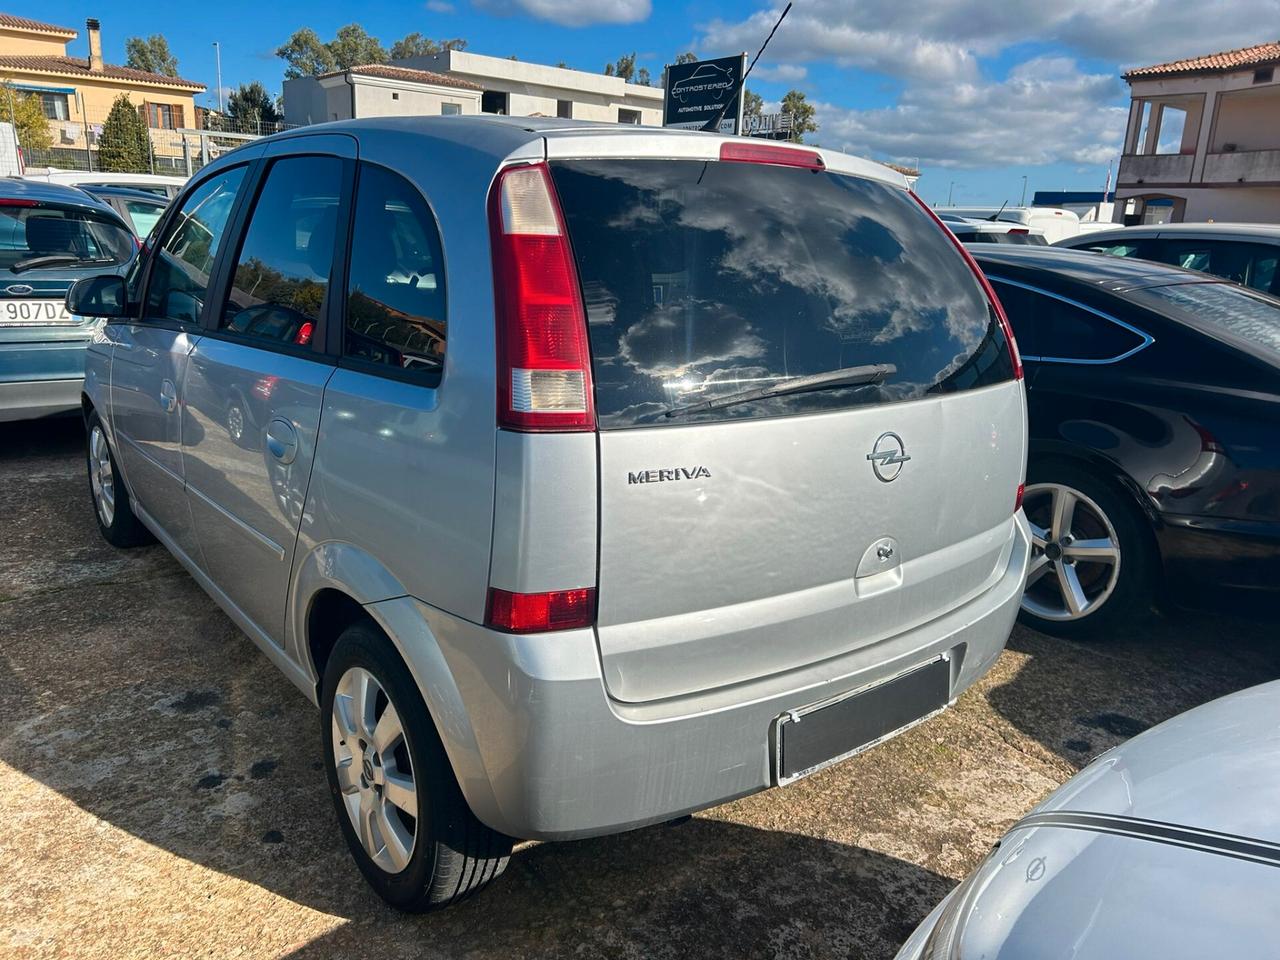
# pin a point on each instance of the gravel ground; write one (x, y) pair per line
(161, 793)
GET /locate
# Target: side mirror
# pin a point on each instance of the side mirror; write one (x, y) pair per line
(103, 296)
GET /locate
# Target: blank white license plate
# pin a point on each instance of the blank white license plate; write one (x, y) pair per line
(42, 313)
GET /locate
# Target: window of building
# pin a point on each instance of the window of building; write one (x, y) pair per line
(395, 314)
(1264, 74)
(628, 116)
(450, 109)
(55, 106)
(184, 258)
(1144, 126)
(494, 101)
(395, 95)
(564, 109)
(163, 116)
(1173, 122)
(282, 271)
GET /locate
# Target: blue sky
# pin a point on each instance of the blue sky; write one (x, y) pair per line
(981, 93)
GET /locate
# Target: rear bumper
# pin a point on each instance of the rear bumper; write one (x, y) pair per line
(542, 752)
(28, 400)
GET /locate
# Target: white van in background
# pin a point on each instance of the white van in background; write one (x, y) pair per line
(1056, 223)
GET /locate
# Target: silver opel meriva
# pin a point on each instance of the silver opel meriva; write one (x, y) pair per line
(584, 475)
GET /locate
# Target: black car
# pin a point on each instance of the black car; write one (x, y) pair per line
(1154, 398)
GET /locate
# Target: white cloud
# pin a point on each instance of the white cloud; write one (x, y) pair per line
(440, 6)
(1046, 111)
(572, 13)
(782, 73)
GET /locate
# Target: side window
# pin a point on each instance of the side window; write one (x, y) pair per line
(184, 257)
(144, 216)
(1188, 254)
(395, 298)
(282, 269)
(1129, 249)
(1261, 268)
(1072, 333)
(1021, 305)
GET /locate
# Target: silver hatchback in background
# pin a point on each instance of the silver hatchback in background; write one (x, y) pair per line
(585, 476)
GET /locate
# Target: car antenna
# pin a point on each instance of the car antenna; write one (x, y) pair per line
(996, 216)
(713, 125)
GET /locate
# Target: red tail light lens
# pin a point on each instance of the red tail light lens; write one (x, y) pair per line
(540, 612)
(769, 153)
(544, 364)
(1017, 502)
(986, 288)
(18, 202)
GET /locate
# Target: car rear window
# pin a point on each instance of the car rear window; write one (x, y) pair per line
(704, 279)
(1237, 311)
(49, 236)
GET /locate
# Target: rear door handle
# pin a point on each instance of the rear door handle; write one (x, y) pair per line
(168, 396)
(282, 440)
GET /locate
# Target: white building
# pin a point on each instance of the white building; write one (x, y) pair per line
(1203, 141)
(377, 90)
(459, 82)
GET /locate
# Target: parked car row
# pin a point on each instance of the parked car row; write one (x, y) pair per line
(584, 478)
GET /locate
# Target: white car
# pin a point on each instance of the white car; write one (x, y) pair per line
(988, 231)
(160, 184)
(1056, 223)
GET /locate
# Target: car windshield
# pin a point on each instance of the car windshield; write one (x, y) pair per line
(705, 280)
(1237, 311)
(44, 235)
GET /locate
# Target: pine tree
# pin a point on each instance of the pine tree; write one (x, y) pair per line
(125, 144)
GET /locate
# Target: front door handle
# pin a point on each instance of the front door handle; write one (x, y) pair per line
(282, 440)
(168, 396)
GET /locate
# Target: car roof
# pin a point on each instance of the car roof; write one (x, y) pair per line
(44, 192)
(129, 193)
(524, 138)
(104, 177)
(1227, 231)
(1095, 269)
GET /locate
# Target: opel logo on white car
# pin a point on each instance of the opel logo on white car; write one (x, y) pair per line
(888, 456)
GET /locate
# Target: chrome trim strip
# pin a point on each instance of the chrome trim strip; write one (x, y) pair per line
(1147, 339)
(1192, 838)
(240, 524)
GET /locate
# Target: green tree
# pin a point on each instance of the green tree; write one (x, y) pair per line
(416, 45)
(802, 112)
(151, 54)
(351, 46)
(687, 57)
(625, 67)
(306, 55)
(250, 104)
(27, 116)
(643, 78)
(124, 145)
(752, 104)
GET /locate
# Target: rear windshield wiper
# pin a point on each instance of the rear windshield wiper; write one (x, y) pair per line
(864, 375)
(55, 260)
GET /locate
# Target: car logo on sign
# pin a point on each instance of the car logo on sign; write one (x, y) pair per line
(20, 289)
(887, 456)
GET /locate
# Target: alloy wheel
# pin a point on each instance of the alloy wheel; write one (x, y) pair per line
(1075, 553)
(375, 774)
(101, 476)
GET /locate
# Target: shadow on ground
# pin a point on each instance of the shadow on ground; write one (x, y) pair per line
(1081, 698)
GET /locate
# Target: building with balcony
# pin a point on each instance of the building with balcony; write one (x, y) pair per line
(455, 81)
(1203, 141)
(77, 92)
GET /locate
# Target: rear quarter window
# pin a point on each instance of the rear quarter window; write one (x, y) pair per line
(703, 279)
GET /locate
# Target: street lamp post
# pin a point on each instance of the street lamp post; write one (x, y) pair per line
(217, 52)
(1023, 202)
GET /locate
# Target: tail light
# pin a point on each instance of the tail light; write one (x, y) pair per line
(18, 202)
(540, 612)
(1017, 501)
(544, 365)
(747, 152)
(986, 288)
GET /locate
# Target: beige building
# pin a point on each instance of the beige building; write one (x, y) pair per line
(377, 90)
(77, 92)
(459, 82)
(1203, 141)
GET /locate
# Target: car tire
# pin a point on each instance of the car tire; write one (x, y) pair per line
(450, 854)
(112, 507)
(1106, 597)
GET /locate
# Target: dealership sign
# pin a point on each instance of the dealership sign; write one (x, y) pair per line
(699, 92)
(774, 125)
